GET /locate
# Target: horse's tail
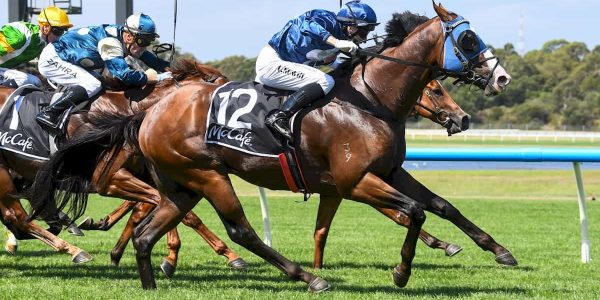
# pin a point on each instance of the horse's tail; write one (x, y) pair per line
(66, 179)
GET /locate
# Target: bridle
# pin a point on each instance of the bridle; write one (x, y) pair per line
(441, 116)
(465, 74)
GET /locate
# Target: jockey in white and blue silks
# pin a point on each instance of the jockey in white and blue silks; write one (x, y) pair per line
(315, 35)
(71, 60)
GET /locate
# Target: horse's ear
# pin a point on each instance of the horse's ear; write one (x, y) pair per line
(442, 12)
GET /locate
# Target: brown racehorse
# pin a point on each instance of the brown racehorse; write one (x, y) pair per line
(120, 183)
(364, 115)
(435, 104)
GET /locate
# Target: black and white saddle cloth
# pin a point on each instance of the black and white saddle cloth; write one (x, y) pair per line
(19, 132)
(236, 118)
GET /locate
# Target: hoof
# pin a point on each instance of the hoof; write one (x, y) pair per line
(400, 278)
(74, 230)
(452, 250)
(86, 224)
(81, 257)
(10, 248)
(238, 264)
(167, 268)
(318, 285)
(114, 263)
(506, 259)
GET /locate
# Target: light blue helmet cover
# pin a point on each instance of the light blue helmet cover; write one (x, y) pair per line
(453, 59)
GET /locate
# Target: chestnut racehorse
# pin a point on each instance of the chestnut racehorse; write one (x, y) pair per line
(364, 115)
(435, 104)
(120, 183)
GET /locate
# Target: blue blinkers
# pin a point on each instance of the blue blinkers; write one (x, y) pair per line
(461, 45)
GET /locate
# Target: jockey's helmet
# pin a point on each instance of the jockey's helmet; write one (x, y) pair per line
(358, 14)
(143, 28)
(55, 17)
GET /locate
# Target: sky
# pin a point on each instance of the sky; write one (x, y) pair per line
(216, 29)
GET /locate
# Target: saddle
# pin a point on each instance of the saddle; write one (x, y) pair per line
(236, 120)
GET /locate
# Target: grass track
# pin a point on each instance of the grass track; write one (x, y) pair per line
(362, 249)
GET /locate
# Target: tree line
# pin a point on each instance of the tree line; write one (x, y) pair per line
(554, 87)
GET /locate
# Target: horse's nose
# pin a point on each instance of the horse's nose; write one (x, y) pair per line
(464, 124)
(503, 81)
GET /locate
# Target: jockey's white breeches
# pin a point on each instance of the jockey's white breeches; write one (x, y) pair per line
(271, 70)
(14, 78)
(65, 73)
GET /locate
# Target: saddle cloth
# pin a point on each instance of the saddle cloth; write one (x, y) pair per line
(236, 118)
(19, 132)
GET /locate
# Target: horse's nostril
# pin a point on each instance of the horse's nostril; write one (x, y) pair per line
(503, 80)
(464, 124)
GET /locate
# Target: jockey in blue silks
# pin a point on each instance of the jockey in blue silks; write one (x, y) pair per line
(315, 35)
(71, 60)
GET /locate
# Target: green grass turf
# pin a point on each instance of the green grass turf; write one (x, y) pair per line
(363, 247)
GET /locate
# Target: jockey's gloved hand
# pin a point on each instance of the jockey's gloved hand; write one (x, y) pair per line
(164, 76)
(346, 46)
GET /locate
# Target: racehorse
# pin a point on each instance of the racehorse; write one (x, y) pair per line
(120, 183)
(435, 104)
(363, 116)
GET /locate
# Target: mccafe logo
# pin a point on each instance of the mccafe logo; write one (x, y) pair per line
(216, 132)
(16, 140)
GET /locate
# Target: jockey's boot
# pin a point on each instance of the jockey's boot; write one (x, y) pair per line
(48, 118)
(279, 120)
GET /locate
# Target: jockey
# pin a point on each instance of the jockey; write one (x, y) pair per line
(316, 34)
(72, 60)
(21, 42)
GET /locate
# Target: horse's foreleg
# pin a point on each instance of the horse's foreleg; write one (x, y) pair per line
(126, 186)
(233, 260)
(328, 206)
(431, 241)
(374, 191)
(169, 263)
(110, 220)
(113, 180)
(439, 206)
(140, 211)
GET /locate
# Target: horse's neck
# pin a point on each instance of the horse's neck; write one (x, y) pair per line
(396, 86)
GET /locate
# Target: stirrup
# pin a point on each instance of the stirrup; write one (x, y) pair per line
(277, 121)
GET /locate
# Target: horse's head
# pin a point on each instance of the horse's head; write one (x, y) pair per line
(436, 104)
(467, 56)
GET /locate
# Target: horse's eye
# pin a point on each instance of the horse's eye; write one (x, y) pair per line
(437, 92)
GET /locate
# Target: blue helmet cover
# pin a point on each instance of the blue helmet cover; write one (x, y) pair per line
(453, 31)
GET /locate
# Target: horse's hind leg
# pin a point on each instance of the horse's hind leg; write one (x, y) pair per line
(16, 219)
(439, 206)
(431, 241)
(233, 260)
(110, 220)
(161, 220)
(219, 192)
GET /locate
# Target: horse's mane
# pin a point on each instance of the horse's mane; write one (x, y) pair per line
(397, 29)
(400, 26)
(185, 67)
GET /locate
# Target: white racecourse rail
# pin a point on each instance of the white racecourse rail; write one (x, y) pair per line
(574, 155)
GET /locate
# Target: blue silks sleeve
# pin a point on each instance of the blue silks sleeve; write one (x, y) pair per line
(119, 68)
